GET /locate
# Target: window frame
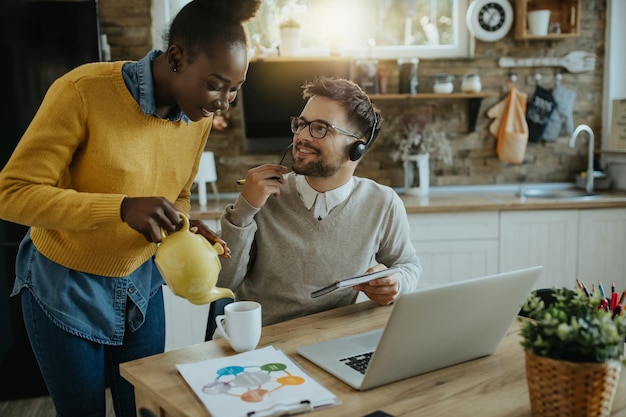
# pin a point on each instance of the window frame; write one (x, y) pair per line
(465, 42)
(462, 49)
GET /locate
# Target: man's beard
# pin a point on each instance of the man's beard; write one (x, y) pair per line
(319, 168)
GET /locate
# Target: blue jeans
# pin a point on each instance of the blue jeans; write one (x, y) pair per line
(75, 370)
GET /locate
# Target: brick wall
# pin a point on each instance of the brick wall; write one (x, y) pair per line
(127, 24)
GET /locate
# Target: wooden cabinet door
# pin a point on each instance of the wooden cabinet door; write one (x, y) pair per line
(602, 247)
(450, 261)
(455, 246)
(548, 238)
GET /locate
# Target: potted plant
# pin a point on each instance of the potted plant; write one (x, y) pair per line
(574, 347)
(414, 145)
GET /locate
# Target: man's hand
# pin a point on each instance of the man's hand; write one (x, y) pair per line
(148, 215)
(381, 290)
(261, 182)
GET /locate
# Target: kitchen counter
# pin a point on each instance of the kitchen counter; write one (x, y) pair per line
(464, 199)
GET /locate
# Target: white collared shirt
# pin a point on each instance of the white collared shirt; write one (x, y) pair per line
(320, 204)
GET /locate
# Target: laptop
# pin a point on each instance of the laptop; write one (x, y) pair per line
(429, 329)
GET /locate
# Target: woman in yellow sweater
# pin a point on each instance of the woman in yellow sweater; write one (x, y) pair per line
(106, 162)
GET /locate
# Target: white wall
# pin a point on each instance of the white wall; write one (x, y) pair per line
(163, 11)
(615, 56)
(614, 84)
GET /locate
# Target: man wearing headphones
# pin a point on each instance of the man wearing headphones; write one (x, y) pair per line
(293, 233)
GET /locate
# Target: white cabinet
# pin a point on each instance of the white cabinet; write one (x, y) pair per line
(589, 245)
(455, 246)
(546, 237)
(602, 247)
(185, 323)
(586, 244)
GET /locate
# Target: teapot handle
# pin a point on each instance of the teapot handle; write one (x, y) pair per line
(186, 225)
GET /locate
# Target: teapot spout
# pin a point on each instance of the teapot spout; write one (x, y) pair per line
(216, 293)
(207, 297)
(213, 294)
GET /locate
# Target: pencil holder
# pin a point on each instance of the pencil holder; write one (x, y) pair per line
(560, 388)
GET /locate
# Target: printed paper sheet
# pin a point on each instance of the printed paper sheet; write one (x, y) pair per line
(258, 383)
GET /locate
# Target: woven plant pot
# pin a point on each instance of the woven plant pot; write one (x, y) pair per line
(571, 389)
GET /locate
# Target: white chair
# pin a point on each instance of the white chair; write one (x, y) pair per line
(206, 174)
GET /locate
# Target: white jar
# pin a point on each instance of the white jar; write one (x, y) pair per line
(471, 83)
(443, 84)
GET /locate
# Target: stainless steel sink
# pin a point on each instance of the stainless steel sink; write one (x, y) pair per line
(559, 194)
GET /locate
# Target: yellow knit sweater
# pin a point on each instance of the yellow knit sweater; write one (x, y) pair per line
(88, 147)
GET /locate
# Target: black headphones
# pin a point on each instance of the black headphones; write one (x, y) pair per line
(358, 148)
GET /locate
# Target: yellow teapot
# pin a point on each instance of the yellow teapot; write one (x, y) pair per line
(190, 265)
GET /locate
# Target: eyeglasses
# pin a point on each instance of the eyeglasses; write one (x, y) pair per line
(317, 128)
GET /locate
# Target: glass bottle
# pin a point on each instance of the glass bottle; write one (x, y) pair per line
(408, 82)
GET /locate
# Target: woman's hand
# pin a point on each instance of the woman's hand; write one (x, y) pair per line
(148, 215)
(198, 226)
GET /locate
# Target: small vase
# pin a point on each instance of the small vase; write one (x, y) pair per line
(289, 41)
(422, 162)
(571, 389)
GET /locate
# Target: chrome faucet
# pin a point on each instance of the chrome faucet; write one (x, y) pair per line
(590, 171)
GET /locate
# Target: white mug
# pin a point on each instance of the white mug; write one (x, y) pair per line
(241, 325)
(538, 22)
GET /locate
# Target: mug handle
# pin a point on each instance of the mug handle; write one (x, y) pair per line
(218, 321)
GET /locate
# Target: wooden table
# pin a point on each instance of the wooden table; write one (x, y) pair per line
(490, 386)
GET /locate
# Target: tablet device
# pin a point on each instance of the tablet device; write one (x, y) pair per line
(349, 282)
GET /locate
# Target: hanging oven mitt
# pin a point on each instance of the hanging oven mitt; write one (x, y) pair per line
(561, 120)
(513, 129)
(495, 112)
(538, 112)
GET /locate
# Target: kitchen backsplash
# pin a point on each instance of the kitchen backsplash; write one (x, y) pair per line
(474, 153)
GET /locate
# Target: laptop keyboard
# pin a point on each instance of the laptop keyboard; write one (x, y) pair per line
(358, 362)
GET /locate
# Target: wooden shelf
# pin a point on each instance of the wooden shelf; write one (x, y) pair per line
(550, 37)
(278, 58)
(564, 12)
(614, 151)
(431, 96)
(473, 105)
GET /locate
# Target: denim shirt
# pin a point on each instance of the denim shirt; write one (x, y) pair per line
(91, 306)
(138, 80)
